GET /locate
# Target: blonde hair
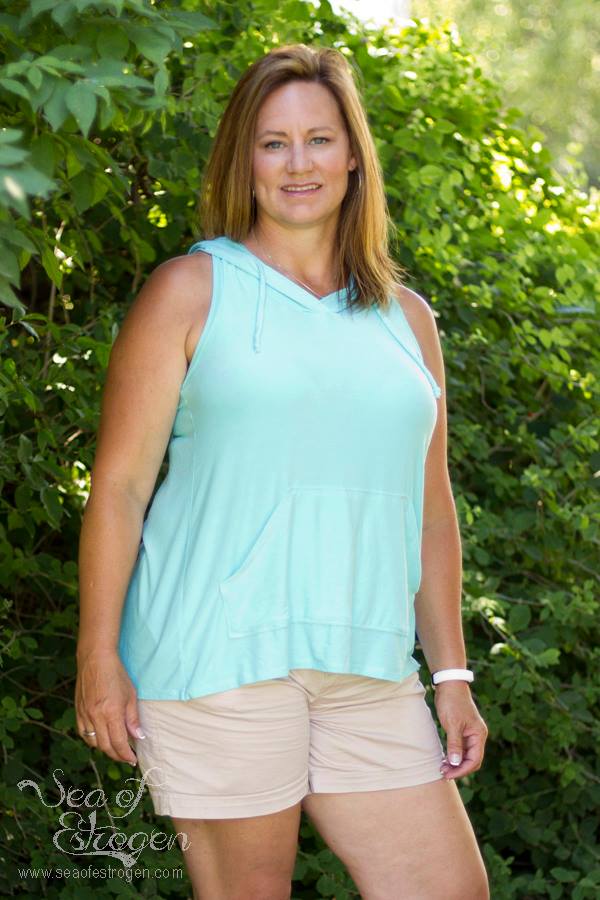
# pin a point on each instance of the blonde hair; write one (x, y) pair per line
(226, 205)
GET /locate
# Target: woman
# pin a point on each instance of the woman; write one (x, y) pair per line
(260, 633)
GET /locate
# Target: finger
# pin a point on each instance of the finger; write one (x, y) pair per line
(82, 727)
(467, 766)
(132, 720)
(103, 740)
(474, 746)
(451, 772)
(471, 762)
(119, 743)
(454, 746)
(462, 740)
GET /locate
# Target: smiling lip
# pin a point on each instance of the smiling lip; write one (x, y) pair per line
(310, 185)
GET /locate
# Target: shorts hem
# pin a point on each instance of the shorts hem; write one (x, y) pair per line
(389, 781)
(233, 807)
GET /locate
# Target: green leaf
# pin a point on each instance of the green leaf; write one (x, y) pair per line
(29, 180)
(81, 101)
(565, 875)
(9, 298)
(55, 64)
(50, 499)
(34, 76)
(50, 264)
(446, 191)
(15, 87)
(150, 43)
(64, 13)
(9, 265)
(519, 617)
(191, 22)
(112, 73)
(113, 42)
(13, 236)
(45, 153)
(548, 657)
(565, 273)
(11, 155)
(56, 109)
(24, 449)
(37, 7)
(430, 174)
(161, 81)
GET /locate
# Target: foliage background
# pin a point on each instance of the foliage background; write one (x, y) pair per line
(108, 110)
(546, 56)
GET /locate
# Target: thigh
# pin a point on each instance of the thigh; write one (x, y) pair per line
(409, 843)
(233, 859)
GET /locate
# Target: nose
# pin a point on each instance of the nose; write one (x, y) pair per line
(299, 159)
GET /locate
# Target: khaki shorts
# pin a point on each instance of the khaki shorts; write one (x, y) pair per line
(262, 747)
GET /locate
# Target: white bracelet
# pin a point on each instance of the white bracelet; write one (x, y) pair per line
(452, 675)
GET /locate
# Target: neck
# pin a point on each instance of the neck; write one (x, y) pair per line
(308, 260)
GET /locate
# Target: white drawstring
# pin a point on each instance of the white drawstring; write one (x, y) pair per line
(261, 300)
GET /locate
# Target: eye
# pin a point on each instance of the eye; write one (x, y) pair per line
(270, 143)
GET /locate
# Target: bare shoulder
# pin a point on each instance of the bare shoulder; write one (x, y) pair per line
(416, 308)
(174, 301)
(179, 284)
(147, 365)
(422, 320)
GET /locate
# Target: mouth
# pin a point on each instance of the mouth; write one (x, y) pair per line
(301, 189)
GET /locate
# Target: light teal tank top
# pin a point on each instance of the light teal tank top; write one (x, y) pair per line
(287, 531)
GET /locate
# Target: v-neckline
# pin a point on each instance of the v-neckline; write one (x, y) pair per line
(331, 301)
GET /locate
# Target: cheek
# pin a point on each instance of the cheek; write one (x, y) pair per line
(335, 164)
(265, 168)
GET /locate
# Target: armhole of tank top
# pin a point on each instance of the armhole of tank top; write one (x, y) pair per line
(215, 297)
(403, 318)
(417, 347)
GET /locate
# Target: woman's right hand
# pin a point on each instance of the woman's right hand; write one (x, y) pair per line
(106, 702)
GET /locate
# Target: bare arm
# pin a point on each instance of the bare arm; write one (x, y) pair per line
(438, 613)
(438, 601)
(147, 365)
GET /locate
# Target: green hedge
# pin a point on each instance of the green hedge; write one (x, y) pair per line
(108, 112)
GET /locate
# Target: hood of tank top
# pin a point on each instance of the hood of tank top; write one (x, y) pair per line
(334, 303)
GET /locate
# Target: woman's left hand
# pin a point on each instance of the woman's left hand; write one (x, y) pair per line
(466, 731)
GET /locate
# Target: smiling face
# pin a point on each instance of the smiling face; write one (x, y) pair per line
(300, 140)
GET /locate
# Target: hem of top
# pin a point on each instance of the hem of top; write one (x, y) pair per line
(191, 693)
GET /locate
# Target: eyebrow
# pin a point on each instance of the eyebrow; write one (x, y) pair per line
(283, 133)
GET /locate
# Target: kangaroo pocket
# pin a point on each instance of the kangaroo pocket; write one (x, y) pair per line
(329, 556)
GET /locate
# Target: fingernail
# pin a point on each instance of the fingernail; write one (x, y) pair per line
(455, 759)
(139, 733)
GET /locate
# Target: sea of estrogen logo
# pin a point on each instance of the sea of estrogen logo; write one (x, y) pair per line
(82, 834)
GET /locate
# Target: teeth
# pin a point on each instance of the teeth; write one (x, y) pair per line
(307, 188)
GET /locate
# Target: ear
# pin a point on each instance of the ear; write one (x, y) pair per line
(352, 164)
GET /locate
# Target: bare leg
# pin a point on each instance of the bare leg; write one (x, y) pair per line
(411, 843)
(242, 859)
